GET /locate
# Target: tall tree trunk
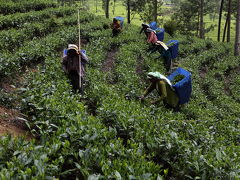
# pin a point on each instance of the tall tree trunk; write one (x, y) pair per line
(114, 3)
(198, 22)
(220, 19)
(155, 10)
(237, 39)
(201, 19)
(107, 9)
(229, 19)
(128, 12)
(225, 28)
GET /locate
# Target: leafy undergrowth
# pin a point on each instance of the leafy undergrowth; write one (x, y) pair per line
(108, 133)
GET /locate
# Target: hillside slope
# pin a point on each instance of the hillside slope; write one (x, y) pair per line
(108, 133)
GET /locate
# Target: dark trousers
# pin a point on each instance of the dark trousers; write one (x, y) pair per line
(168, 106)
(167, 59)
(165, 54)
(74, 78)
(152, 48)
(115, 32)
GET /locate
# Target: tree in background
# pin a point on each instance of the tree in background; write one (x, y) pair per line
(229, 19)
(201, 23)
(190, 16)
(114, 6)
(186, 16)
(220, 19)
(237, 38)
(227, 26)
(150, 10)
(105, 6)
(155, 9)
(69, 2)
(147, 9)
(215, 10)
(128, 11)
(133, 7)
(229, 7)
(170, 27)
(128, 4)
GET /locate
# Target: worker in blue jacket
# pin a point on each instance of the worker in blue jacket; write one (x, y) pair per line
(164, 51)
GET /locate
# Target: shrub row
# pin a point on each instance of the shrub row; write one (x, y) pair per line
(14, 38)
(18, 20)
(11, 7)
(80, 145)
(123, 138)
(34, 51)
(168, 138)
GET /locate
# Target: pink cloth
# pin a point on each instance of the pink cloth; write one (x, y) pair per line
(152, 38)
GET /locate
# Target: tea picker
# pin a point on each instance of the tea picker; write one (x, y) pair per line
(164, 88)
(144, 28)
(151, 36)
(171, 94)
(167, 51)
(117, 25)
(74, 61)
(153, 26)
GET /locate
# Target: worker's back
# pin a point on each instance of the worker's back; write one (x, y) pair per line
(171, 98)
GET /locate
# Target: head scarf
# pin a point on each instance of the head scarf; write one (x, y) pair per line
(73, 46)
(159, 76)
(150, 30)
(145, 24)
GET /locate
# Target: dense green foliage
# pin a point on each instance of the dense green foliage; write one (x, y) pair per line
(18, 20)
(14, 6)
(108, 133)
(170, 27)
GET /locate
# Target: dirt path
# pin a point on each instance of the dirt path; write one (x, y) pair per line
(12, 121)
(140, 68)
(227, 79)
(109, 62)
(203, 71)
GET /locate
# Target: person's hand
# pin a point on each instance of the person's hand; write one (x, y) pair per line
(154, 102)
(141, 98)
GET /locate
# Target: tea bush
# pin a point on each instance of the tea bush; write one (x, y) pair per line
(107, 133)
(11, 7)
(18, 20)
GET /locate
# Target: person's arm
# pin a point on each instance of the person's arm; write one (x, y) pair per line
(64, 64)
(151, 37)
(161, 51)
(148, 90)
(154, 49)
(162, 90)
(84, 58)
(117, 26)
(141, 30)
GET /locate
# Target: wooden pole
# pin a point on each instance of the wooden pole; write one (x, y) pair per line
(79, 46)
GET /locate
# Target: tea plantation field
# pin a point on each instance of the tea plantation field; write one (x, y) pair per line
(108, 133)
